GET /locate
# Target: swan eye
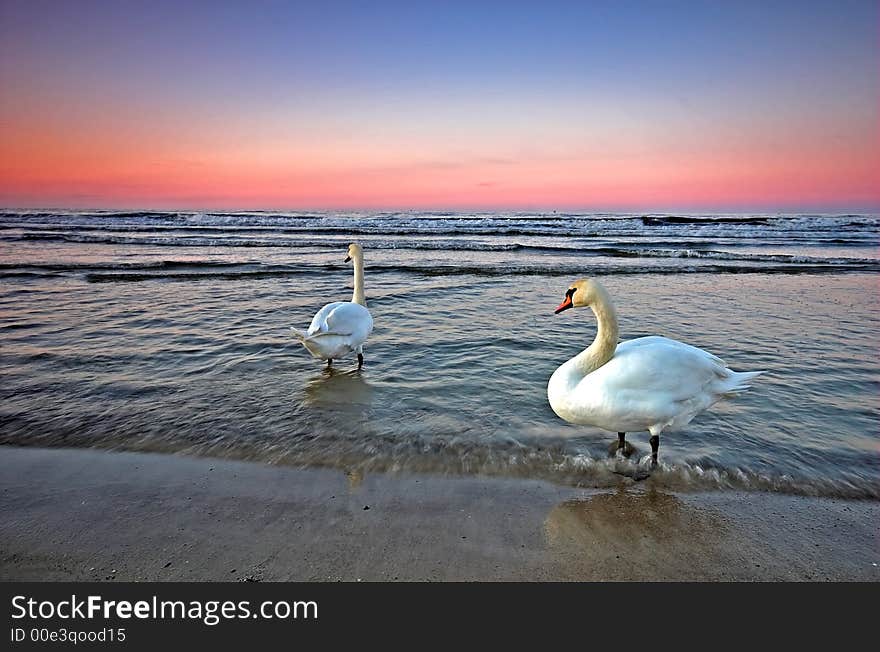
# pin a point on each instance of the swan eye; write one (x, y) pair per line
(570, 292)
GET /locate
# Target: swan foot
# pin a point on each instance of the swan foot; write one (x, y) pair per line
(360, 360)
(635, 474)
(621, 446)
(655, 446)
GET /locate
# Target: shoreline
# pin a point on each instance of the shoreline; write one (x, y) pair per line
(89, 515)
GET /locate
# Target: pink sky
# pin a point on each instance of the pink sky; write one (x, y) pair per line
(744, 117)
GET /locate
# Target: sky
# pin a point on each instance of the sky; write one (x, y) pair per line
(618, 105)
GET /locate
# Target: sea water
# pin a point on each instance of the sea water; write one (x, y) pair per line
(169, 331)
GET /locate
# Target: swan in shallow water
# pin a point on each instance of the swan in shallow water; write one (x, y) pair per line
(341, 327)
(650, 383)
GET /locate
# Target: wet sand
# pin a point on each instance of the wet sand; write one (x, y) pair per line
(91, 515)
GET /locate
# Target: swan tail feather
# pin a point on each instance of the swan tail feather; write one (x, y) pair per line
(738, 382)
(298, 334)
(304, 335)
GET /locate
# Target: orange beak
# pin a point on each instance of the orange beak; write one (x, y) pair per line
(565, 305)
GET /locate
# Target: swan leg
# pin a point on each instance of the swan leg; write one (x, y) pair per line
(360, 360)
(621, 446)
(655, 446)
(329, 362)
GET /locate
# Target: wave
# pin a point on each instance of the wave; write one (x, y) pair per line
(266, 271)
(448, 223)
(466, 459)
(287, 243)
(160, 264)
(730, 255)
(646, 250)
(69, 233)
(599, 269)
(680, 219)
(643, 249)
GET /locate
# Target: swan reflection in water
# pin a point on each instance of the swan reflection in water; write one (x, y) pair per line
(344, 391)
(342, 398)
(633, 530)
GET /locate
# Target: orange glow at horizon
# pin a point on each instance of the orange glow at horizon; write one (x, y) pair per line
(529, 156)
(48, 170)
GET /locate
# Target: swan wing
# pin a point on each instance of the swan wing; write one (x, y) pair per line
(654, 384)
(337, 329)
(658, 341)
(350, 319)
(319, 321)
(342, 318)
(662, 367)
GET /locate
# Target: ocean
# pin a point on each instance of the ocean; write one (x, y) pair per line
(169, 332)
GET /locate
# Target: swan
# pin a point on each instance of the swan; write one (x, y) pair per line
(342, 326)
(650, 383)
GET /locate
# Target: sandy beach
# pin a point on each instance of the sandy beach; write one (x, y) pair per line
(92, 515)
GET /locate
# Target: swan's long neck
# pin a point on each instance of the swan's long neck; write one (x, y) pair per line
(602, 348)
(358, 296)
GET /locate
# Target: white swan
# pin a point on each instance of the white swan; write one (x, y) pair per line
(650, 383)
(343, 326)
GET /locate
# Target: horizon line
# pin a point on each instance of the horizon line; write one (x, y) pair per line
(784, 210)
